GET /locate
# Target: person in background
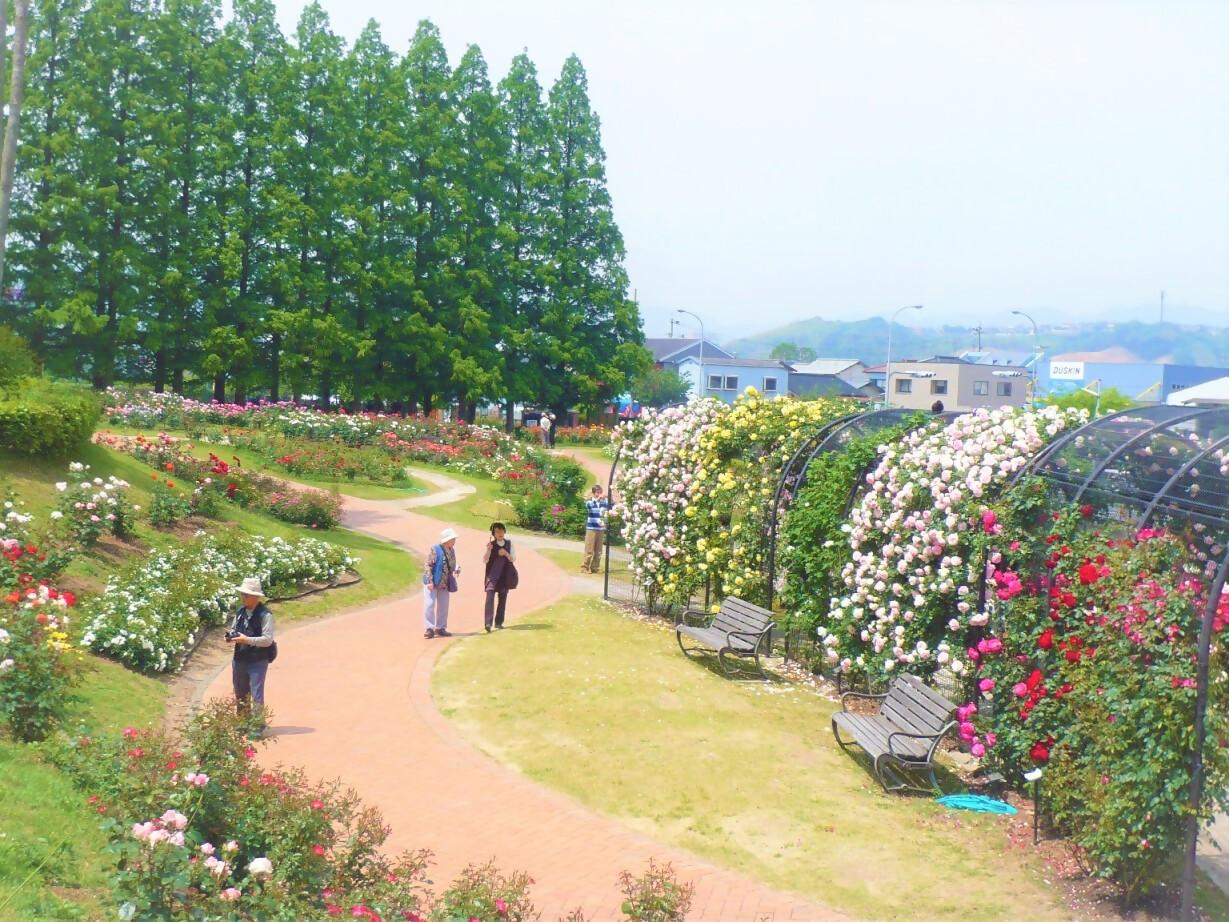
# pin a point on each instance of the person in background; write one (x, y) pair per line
(553, 430)
(936, 407)
(544, 427)
(439, 581)
(501, 576)
(596, 507)
(251, 634)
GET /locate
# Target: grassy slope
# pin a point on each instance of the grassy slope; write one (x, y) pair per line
(610, 712)
(46, 820)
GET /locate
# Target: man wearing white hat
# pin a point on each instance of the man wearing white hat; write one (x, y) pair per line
(252, 634)
(438, 581)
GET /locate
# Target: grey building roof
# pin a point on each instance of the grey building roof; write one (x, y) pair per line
(740, 363)
(664, 348)
(809, 385)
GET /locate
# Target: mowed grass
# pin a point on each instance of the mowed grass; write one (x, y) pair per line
(746, 774)
(52, 859)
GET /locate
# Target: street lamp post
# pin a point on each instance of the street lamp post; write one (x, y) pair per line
(701, 386)
(1036, 354)
(887, 377)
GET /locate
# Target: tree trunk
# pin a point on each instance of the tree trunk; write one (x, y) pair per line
(275, 367)
(160, 371)
(219, 387)
(509, 415)
(8, 157)
(177, 381)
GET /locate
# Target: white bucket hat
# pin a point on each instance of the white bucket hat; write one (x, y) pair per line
(250, 586)
(447, 535)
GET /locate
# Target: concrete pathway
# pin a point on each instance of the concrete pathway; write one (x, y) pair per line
(351, 699)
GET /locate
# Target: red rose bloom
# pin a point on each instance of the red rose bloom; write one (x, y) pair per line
(1040, 753)
(1046, 640)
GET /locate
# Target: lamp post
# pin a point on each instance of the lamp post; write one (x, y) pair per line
(887, 377)
(1036, 354)
(701, 386)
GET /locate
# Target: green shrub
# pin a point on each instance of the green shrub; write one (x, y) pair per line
(48, 418)
(656, 895)
(168, 504)
(16, 359)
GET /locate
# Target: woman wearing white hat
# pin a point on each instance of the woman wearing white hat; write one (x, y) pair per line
(252, 635)
(439, 580)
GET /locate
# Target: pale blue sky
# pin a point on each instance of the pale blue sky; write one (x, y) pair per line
(772, 161)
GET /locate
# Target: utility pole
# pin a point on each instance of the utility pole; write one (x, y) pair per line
(673, 324)
(978, 330)
(1162, 305)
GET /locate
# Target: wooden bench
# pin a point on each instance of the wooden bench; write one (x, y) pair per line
(903, 737)
(740, 629)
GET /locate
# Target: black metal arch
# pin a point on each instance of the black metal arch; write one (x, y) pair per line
(793, 477)
(1061, 442)
(1187, 510)
(1128, 443)
(1177, 478)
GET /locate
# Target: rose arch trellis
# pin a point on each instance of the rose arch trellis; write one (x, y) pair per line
(1148, 467)
(834, 436)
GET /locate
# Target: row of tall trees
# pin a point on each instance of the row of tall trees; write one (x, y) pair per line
(279, 216)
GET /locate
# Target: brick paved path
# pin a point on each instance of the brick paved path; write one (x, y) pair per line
(351, 698)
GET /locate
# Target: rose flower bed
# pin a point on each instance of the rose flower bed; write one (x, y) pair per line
(149, 615)
(215, 481)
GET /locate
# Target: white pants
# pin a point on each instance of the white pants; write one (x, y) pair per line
(435, 608)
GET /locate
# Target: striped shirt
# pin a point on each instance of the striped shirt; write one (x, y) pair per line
(596, 509)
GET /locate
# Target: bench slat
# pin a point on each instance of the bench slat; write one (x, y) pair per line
(871, 733)
(907, 699)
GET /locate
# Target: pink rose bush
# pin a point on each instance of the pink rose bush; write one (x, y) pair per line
(911, 586)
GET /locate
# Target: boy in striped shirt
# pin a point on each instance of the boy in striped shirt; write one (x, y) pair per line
(595, 529)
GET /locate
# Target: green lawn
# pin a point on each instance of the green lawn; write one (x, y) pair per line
(609, 711)
(476, 510)
(50, 839)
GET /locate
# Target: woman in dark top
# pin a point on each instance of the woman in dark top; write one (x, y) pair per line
(501, 575)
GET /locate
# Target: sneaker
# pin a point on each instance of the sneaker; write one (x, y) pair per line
(440, 632)
(430, 634)
(499, 627)
(488, 629)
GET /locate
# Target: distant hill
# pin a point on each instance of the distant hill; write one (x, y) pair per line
(868, 340)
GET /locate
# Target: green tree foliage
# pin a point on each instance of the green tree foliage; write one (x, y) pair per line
(792, 352)
(211, 206)
(659, 387)
(1110, 401)
(16, 360)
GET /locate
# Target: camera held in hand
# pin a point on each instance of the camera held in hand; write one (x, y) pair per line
(231, 635)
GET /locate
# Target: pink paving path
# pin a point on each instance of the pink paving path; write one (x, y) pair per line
(351, 699)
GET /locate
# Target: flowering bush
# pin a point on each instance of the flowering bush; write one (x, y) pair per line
(150, 614)
(694, 488)
(655, 896)
(652, 490)
(167, 504)
(583, 435)
(814, 543)
(910, 589)
(29, 555)
(547, 499)
(313, 508)
(89, 507)
(202, 831)
(740, 459)
(37, 662)
(217, 481)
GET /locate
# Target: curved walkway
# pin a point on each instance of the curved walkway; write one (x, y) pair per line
(351, 699)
